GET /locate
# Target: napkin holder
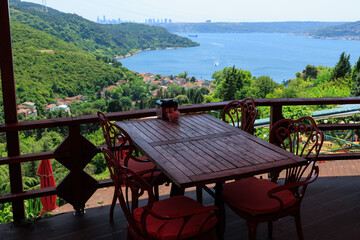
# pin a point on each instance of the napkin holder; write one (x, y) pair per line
(164, 107)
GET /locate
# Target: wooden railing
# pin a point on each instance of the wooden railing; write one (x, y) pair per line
(75, 152)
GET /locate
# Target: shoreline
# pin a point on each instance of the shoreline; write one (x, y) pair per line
(144, 50)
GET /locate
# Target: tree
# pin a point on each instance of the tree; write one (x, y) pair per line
(204, 91)
(182, 99)
(126, 91)
(199, 98)
(233, 80)
(114, 106)
(355, 79)
(115, 95)
(192, 80)
(342, 67)
(126, 103)
(154, 87)
(310, 71)
(265, 85)
(183, 75)
(355, 91)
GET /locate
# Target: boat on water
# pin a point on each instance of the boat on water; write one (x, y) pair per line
(215, 64)
(193, 35)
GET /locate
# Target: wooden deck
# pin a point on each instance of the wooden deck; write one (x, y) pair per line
(331, 210)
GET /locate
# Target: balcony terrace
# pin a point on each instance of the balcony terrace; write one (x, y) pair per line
(330, 209)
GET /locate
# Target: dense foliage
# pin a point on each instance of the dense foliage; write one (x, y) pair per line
(355, 77)
(343, 67)
(47, 67)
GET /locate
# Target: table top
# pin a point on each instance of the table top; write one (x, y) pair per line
(201, 149)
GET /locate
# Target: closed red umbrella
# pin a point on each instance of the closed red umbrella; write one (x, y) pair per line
(47, 180)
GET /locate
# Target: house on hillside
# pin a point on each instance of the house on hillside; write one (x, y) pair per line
(58, 99)
(107, 89)
(27, 109)
(64, 107)
(53, 107)
(156, 93)
(205, 82)
(198, 83)
(118, 83)
(77, 98)
(157, 83)
(50, 107)
(188, 85)
(147, 77)
(180, 81)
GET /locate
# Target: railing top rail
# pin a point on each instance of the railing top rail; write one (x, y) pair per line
(58, 122)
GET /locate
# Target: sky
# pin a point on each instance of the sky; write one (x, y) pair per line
(216, 11)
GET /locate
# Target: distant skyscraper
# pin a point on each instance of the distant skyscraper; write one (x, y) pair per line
(170, 21)
(44, 6)
(165, 20)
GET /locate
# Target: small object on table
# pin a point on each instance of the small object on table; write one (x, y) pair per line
(165, 107)
(174, 116)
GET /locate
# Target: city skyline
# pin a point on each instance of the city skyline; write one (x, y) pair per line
(105, 20)
(216, 11)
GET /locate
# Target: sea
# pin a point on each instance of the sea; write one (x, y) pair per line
(277, 55)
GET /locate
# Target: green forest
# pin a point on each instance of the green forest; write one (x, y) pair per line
(59, 55)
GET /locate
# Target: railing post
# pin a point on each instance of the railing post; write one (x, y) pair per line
(76, 156)
(275, 114)
(75, 152)
(10, 112)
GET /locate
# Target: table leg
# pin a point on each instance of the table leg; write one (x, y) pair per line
(220, 228)
(175, 190)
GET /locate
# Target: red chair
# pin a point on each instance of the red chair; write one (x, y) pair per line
(259, 200)
(121, 145)
(177, 217)
(241, 114)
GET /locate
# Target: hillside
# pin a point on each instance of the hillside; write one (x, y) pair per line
(115, 40)
(246, 27)
(343, 31)
(63, 55)
(46, 67)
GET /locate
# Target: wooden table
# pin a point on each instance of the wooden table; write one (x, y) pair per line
(201, 149)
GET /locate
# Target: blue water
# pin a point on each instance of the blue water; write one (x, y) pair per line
(277, 55)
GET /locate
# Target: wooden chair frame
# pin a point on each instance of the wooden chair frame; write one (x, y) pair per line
(130, 186)
(241, 114)
(301, 137)
(121, 146)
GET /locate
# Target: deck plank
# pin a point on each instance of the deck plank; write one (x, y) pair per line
(330, 210)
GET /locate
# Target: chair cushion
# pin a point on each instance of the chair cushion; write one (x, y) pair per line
(168, 229)
(250, 195)
(142, 166)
